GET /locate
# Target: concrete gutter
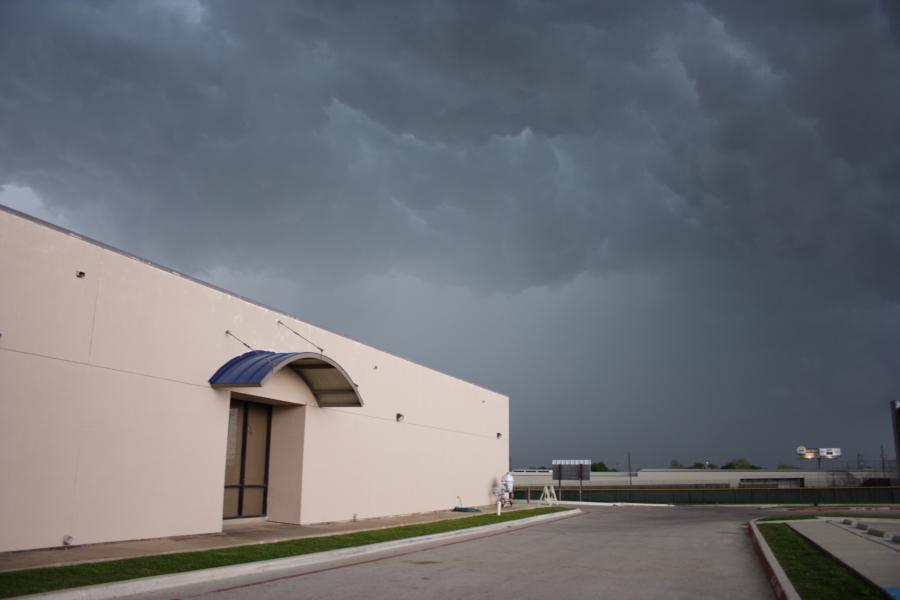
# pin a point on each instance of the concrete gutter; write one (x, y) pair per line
(161, 582)
(778, 579)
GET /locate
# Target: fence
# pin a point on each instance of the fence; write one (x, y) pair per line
(876, 467)
(823, 495)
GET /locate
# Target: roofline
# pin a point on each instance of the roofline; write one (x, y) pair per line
(222, 290)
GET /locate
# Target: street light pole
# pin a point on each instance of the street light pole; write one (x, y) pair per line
(895, 417)
(629, 469)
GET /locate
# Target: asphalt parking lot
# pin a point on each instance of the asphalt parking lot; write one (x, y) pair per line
(607, 552)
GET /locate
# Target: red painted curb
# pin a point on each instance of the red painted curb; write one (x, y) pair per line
(837, 508)
(767, 566)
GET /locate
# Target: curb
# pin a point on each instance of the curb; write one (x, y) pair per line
(778, 579)
(131, 587)
(579, 503)
(869, 533)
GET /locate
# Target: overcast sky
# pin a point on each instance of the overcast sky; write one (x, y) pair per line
(670, 228)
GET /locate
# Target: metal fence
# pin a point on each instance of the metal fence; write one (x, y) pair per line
(824, 495)
(876, 467)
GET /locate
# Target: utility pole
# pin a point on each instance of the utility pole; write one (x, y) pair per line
(629, 469)
(895, 417)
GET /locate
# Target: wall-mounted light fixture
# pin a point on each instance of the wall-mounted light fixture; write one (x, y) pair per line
(499, 436)
(79, 274)
(400, 417)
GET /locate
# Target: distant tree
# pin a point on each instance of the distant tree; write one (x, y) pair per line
(676, 464)
(740, 464)
(787, 467)
(600, 467)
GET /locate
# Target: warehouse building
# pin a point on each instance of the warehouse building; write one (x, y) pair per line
(138, 402)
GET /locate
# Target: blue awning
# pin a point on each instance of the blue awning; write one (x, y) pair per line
(327, 381)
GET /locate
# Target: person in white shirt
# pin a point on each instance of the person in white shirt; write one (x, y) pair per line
(508, 483)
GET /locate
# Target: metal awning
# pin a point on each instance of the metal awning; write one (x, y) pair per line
(327, 381)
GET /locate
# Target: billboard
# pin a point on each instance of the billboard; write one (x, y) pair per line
(815, 453)
(572, 469)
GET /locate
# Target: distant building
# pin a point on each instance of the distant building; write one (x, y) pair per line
(128, 412)
(708, 478)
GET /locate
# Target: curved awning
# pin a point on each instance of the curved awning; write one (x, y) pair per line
(327, 381)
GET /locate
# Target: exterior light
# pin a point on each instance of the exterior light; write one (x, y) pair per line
(400, 417)
(499, 436)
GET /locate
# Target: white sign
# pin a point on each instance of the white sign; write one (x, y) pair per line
(811, 453)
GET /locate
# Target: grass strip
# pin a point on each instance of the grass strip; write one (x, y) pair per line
(33, 581)
(855, 516)
(839, 505)
(815, 573)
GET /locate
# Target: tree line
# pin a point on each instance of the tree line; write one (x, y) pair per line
(737, 464)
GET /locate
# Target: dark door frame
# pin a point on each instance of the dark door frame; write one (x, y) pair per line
(245, 406)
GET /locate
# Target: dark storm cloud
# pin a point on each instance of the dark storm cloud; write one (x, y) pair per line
(550, 140)
(735, 166)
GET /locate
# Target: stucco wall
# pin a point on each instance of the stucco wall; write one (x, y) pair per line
(109, 430)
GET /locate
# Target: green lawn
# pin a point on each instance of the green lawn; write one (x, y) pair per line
(855, 516)
(789, 518)
(32, 581)
(814, 573)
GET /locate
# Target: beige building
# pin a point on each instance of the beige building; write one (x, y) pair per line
(714, 478)
(130, 407)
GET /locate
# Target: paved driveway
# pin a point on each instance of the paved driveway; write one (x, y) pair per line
(608, 552)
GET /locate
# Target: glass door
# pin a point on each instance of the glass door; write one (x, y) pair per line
(247, 459)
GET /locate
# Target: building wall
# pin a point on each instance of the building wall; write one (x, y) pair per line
(109, 429)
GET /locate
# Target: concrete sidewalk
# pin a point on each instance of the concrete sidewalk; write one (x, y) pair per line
(261, 572)
(872, 557)
(240, 532)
